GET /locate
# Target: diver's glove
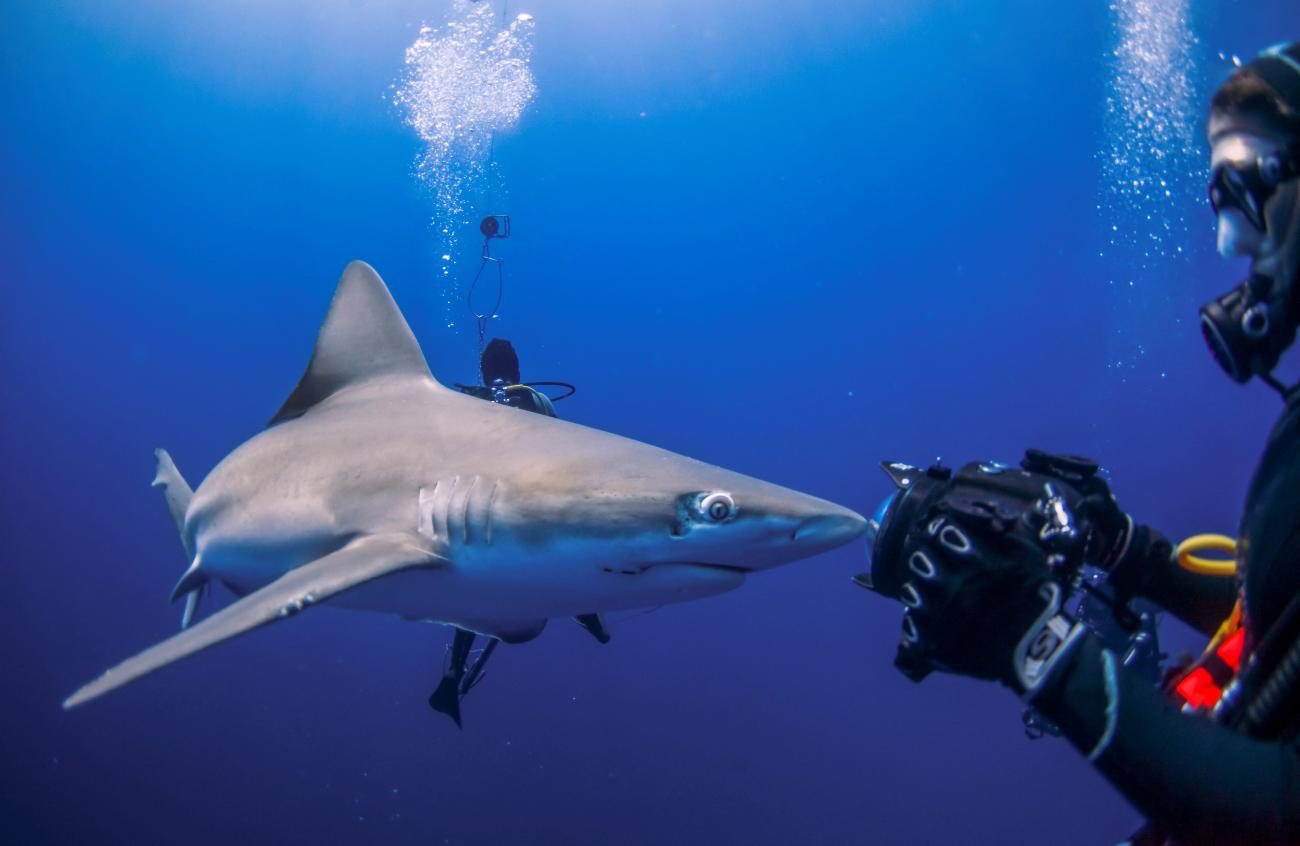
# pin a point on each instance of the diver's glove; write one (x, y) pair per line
(982, 600)
(1132, 555)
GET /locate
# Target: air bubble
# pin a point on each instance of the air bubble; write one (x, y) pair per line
(464, 82)
(1150, 165)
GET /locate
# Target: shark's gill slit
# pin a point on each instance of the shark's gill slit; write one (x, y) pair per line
(438, 531)
(487, 516)
(424, 513)
(448, 492)
(464, 511)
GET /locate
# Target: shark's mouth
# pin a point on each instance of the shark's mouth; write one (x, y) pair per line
(726, 568)
(639, 569)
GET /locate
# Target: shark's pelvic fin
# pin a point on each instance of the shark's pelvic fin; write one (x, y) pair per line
(176, 490)
(364, 337)
(192, 600)
(192, 580)
(594, 624)
(362, 560)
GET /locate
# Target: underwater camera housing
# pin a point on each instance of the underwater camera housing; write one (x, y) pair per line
(1061, 509)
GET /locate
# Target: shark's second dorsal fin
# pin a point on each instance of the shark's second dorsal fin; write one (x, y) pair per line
(364, 337)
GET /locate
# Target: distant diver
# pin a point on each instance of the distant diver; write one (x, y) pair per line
(499, 369)
(501, 384)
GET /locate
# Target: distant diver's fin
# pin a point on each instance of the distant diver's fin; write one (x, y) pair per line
(364, 559)
(446, 699)
(364, 337)
(176, 491)
(594, 624)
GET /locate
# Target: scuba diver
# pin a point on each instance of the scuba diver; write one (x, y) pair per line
(499, 371)
(977, 557)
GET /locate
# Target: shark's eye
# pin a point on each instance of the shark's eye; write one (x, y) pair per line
(717, 507)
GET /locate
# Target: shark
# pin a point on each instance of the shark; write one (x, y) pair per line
(377, 488)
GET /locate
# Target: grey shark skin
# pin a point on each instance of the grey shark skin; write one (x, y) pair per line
(377, 488)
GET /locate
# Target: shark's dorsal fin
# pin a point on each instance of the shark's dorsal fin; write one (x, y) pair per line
(364, 337)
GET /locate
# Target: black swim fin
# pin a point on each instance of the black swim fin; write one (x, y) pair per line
(446, 699)
(594, 624)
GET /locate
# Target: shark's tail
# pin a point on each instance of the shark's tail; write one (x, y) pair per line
(194, 584)
(446, 699)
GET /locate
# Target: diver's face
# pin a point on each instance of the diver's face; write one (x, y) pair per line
(1232, 142)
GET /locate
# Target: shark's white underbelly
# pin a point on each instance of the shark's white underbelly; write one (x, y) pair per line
(451, 596)
(510, 586)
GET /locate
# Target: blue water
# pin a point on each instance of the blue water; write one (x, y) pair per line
(840, 232)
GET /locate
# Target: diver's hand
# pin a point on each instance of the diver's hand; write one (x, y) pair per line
(1110, 527)
(980, 602)
(1132, 554)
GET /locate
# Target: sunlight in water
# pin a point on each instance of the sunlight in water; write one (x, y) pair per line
(1151, 166)
(464, 82)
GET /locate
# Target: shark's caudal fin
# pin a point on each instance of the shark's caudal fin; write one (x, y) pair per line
(176, 490)
(364, 337)
(363, 560)
(178, 494)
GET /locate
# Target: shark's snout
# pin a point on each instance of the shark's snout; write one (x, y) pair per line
(798, 527)
(829, 530)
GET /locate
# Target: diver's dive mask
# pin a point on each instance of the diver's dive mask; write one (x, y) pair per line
(1248, 186)
(1248, 328)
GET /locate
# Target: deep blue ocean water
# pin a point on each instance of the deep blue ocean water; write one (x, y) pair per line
(840, 232)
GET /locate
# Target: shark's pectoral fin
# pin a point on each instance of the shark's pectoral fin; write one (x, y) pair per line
(594, 624)
(362, 560)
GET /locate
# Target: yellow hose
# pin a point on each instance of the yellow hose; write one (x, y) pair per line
(1188, 558)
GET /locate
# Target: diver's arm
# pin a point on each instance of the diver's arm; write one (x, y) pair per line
(1150, 570)
(1201, 781)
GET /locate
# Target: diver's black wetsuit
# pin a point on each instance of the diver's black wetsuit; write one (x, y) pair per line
(460, 676)
(1234, 778)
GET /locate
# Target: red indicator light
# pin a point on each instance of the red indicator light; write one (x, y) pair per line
(1230, 650)
(1199, 689)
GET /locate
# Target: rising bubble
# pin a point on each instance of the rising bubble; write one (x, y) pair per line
(464, 82)
(1150, 163)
